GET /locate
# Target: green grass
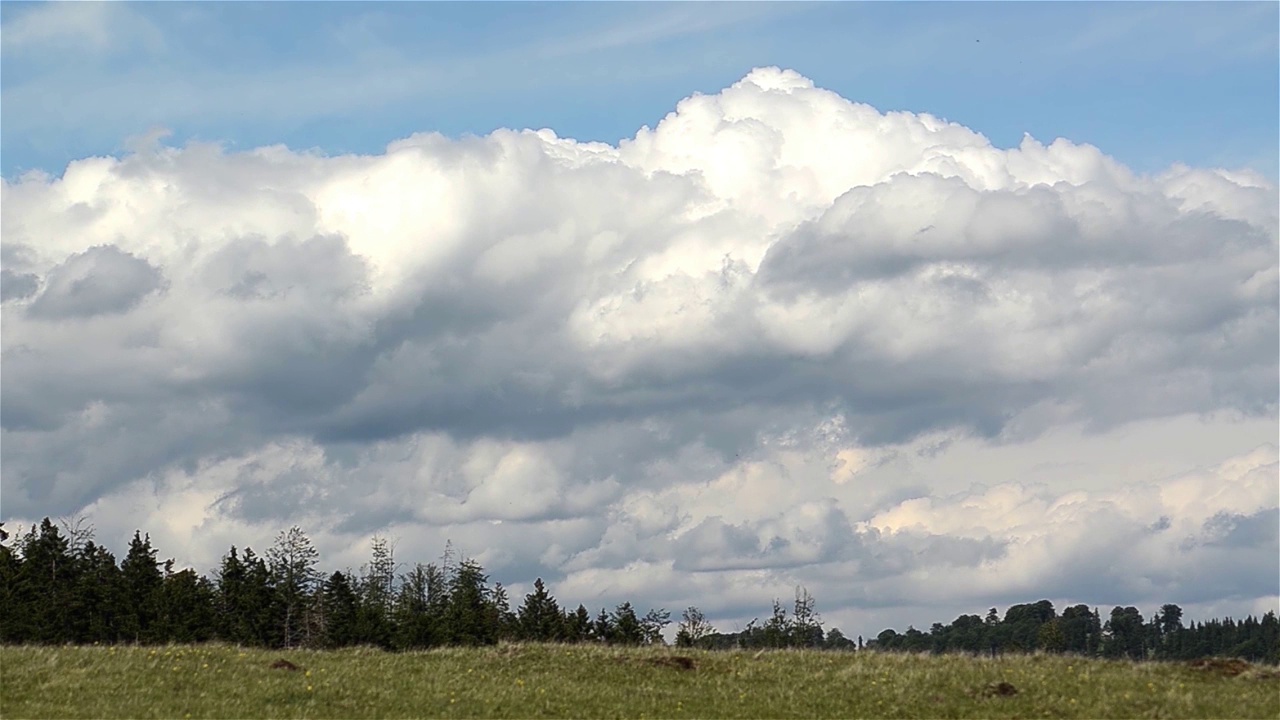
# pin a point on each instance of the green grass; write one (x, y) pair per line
(218, 681)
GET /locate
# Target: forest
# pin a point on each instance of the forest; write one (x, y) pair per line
(58, 586)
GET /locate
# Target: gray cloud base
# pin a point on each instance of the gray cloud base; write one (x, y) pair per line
(102, 280)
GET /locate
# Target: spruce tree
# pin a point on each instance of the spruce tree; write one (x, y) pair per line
(140, 580)
(577, 625)
(340, 607)
(97, 602)
(230, 621)
(805, 629)
(262, 614)
(626, 627)
(44, 586)
(602, 629)
(500, 616)
(10, 608)
(776, 632)
(539, 617)
(467, 617)
(414, 625)
(186, 607)
(377, 595)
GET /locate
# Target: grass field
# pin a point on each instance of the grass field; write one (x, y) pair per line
(216, 681)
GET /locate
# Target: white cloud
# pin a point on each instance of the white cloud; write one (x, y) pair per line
(78, 27)
(673, 21)
(779, 339)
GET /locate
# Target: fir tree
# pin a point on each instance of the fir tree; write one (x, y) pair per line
(577, 624)
(415, 625)
(468, 613)
(539, 618)
(140, 580)
(626, 627)
(340, 607)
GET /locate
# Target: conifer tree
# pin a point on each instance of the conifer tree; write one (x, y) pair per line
(230, 616)
(140, 579)
(468, 616)
(602, 628)
(45, 582)
(805, 629)
(97, 600)
(415, 627)
(261, 606)
(10, 567)
(577, 624)
(340, 607)
(185, 608)
(500, 615)
(377, 595)
(626, 628)
(539, 618)
(776, 631)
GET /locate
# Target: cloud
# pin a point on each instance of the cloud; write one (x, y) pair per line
(76, 28)
(15, 286)
(724, 357)
(101, 280)
(674, 21)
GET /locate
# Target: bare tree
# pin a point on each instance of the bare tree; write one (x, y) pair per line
(806, 625)
(693, 628)
(292, 561)
(79, 532)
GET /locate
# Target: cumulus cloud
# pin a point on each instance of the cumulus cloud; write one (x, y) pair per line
(705, 363)
(101, 280)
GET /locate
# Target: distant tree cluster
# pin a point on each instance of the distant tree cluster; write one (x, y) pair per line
(58, 586)
(1081, 630)
(800, 629)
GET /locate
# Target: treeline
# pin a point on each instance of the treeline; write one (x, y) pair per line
(58, 586)
(1081, 630)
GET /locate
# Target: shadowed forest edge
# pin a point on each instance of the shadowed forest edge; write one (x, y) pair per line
(58, 586)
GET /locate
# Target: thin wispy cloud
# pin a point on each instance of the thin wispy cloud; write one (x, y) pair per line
(76, 28)
(674, 20)
(1214, 34)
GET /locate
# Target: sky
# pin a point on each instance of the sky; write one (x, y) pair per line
(927, 308)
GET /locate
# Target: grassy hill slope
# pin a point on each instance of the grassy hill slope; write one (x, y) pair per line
(214, 681)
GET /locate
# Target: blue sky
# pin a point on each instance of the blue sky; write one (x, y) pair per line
(1149, 83)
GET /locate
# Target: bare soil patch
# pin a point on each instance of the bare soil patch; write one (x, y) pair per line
(679, 662)
(998, 689)
(1228, 667)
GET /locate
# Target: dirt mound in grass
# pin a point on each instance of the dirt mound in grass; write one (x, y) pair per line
(678, 662)
(1000, 689)
(1229, 667)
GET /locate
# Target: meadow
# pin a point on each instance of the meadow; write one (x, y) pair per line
(221, 681)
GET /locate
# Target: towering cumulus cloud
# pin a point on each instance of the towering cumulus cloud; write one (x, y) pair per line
(770, 341)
